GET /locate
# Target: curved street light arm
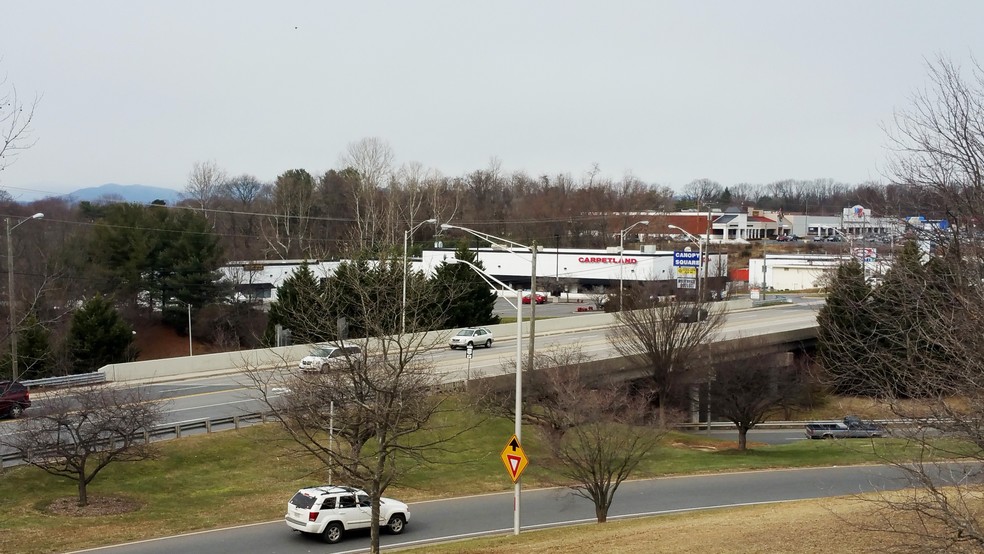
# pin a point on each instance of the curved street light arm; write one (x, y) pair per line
(692, 237)
(485, 276)
(629, 228)
(491, 239)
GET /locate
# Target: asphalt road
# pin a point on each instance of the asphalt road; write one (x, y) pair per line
(480, 515)
(765, 436)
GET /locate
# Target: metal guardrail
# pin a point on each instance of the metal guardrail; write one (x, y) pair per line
(67, 380)
(175, 430)
(727, 425)
(771, 301)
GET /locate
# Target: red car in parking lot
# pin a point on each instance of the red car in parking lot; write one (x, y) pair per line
(540, 298)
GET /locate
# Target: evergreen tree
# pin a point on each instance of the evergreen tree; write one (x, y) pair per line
(119, 251)
(354, 292)
(846, 331)
(193, 256)
(152, 253)
(98, 336)
(473, 301)
(898, 309)
(299, 307)
(34, 356)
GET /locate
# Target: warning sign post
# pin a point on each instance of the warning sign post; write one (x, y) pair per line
(514, 458)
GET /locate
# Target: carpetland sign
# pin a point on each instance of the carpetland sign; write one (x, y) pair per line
(593, 260)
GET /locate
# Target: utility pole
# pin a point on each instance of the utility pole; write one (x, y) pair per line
(532, 303)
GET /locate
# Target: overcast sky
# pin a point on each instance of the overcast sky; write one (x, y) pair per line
(137, 92)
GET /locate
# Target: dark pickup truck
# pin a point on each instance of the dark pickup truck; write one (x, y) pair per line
(852, 427)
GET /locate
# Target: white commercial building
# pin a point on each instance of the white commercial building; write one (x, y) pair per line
(792, 272)
(579, 270)
(258, 280)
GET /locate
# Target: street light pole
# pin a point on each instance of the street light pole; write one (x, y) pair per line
(491, 239)
(518, 430)
(700, 255)
(191, 350)
(532, 301)
(621, 258)
(403, 304)
(11, 301)
(519, 332)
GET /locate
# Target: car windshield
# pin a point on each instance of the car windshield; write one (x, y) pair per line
(322, 352)
(466, 332)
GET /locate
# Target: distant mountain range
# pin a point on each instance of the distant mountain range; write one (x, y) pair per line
(141, 194)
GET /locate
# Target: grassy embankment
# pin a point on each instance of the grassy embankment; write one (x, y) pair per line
(236, 477)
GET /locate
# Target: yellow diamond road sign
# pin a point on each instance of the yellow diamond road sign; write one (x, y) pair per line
(514, 458)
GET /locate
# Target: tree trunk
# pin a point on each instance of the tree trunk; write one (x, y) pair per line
(742, 437)
(374, 526)
(601, 512)
(83, 494)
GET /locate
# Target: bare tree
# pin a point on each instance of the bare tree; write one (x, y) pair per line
(408, 198)
(703, 191)
(660, 337)
(747, 390)
(206, 182)
(742, 193)
(372, 158)
(287, 229)
(361, 419)
(15, 123)
(920, 347)
(242, 196)
(77, 435)
(597, 432)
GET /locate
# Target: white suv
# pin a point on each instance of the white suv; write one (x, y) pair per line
(325, 356)
(330, 510)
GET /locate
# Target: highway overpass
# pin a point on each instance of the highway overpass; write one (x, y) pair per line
(789, 326)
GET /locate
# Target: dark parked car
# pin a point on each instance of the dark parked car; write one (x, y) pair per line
(14, 398)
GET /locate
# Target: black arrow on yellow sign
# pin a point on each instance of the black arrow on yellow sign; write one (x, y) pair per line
(514, 458)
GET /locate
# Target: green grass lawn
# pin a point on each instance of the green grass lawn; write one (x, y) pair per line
(236, 477)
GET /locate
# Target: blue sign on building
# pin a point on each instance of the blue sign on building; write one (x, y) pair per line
(686, 259)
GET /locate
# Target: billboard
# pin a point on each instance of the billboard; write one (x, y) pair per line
(856, 214)
(686, 259)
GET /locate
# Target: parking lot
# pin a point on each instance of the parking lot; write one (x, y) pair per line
(566, 305)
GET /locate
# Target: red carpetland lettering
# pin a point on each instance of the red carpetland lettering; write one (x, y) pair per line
(593, 260)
